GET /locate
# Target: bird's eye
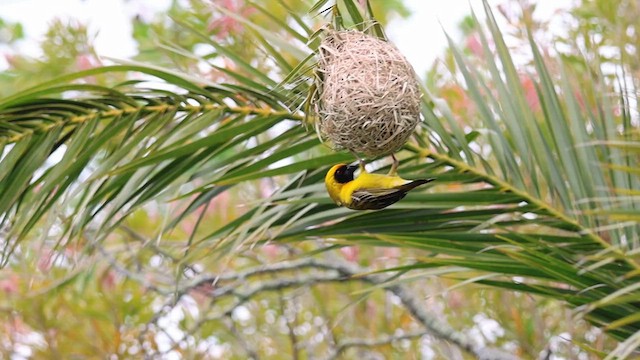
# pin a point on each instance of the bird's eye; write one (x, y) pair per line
(343, 174)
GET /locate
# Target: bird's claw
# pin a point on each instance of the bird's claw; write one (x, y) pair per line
(361, 162)
(394, 166)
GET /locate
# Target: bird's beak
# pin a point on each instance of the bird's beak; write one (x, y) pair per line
(351, 169)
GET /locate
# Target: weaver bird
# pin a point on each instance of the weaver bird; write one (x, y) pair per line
(367, 191)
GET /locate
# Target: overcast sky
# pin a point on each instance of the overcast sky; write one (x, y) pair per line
(420, 37)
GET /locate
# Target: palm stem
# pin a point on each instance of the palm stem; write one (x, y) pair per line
(151, 109)
(527, 197)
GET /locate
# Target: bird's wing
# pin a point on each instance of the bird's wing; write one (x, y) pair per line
(374, 199)
(380, 198)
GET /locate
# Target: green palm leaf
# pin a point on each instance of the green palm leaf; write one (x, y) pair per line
(543, 205)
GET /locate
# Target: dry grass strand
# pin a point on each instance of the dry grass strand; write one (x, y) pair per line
(369, 97)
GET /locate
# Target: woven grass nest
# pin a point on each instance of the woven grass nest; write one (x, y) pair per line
(369, 98)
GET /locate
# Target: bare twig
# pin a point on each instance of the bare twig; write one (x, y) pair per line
(291, 323)
(345, 272)
(383, 340)
(128, 274)
(251, 352)
(237, 285)
(436, 327)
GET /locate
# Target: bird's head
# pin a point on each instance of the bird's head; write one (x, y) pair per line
(337, 177)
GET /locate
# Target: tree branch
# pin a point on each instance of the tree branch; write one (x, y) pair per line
(345, 272)
(383, 340)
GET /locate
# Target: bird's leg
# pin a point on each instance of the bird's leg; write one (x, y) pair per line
(361, 162)
(394, 166)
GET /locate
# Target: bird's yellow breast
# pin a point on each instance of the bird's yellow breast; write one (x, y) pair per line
(368, 181)
(333, 187)
(367, 191)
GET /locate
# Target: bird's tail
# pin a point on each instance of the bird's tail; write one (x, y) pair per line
(413, 184)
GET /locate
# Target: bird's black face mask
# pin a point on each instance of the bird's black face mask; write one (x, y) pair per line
(344, 174)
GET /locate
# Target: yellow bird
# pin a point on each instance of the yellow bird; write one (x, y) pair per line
(367, 191)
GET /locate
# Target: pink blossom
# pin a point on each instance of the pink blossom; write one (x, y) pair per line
(226, 25)
(350, 253)
(9, 285)
(530, 93)
(108, 280)
(46, 261)
(271, 250)
(86, 62)
(474, 45)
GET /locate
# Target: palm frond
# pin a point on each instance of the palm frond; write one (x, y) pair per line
(537, 212)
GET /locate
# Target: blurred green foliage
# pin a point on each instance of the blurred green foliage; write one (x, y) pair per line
(10, 32)
(95, 311)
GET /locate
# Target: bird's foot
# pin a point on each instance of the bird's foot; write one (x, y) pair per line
(361, 162)
(394, 166)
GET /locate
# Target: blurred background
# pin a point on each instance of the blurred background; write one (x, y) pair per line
(158, 284)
